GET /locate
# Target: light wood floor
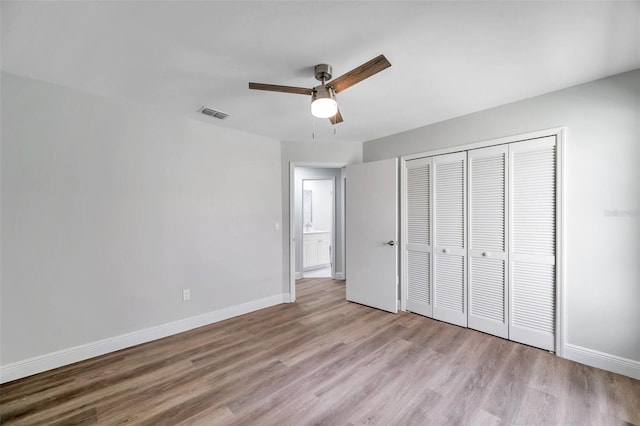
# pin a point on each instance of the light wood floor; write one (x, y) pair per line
(325, 361)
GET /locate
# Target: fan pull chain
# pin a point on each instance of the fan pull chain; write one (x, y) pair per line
(313, 128)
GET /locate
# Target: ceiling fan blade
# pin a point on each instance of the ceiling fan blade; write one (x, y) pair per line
(284, 89)
(336, 118)
(358, 74)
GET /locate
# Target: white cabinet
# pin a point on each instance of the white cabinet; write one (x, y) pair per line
(316, 249)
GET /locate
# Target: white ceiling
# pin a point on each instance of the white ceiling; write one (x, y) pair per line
(448, 58)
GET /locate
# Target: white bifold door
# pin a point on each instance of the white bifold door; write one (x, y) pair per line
(488, 240)
(435, 248)
(418, 245)
(449, 229)
(532, 253)
(480, 243)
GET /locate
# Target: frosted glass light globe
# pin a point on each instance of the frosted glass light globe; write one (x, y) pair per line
(324, 107)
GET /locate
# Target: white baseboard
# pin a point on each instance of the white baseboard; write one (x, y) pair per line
(616, 364)
(339, 276)
(298, 276)
(38, 364)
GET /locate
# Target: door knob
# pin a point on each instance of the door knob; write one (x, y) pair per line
(391, 243)
(445, 250)
(486, 254)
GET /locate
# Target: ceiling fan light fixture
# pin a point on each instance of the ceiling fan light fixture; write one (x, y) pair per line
(323, 103)
(323, 97)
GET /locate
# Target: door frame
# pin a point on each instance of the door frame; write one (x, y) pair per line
(560, 134)
(292, 230)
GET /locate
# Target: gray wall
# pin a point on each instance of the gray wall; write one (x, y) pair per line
(319, 173)
(309, 152)
(109, 210)
(602, 196)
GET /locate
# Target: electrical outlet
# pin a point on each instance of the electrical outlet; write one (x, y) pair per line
(186, 294)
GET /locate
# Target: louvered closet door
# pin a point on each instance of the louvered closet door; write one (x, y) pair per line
(487, 240)
(532, 183)
(449, 269)
(418, 250)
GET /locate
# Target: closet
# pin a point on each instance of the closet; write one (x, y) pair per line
(480, 242)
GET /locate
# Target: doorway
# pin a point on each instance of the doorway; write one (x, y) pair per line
(299, 172)
(318, 224)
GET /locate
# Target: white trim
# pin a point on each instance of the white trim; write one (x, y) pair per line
(38, 364)
(298, 275)
(402, 253)
(490, 142)
(343, 225)
(334, 219)
(616, 364)
(292, 231)
(561, 308)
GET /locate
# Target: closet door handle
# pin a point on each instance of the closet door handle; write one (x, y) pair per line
(486, 254)
(445, 251)
(391, 243)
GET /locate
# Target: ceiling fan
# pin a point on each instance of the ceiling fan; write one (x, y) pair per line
(323, 96)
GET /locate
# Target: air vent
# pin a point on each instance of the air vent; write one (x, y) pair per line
(213, 113)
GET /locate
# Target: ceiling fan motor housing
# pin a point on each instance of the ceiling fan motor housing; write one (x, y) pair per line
(323, 72)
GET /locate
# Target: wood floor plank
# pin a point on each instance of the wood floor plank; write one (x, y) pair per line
(382, 407)
(337, 399)
(324, 360)
(537, 407)
(211, 416)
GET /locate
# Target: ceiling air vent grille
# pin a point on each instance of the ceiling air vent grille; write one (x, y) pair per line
(213, 113)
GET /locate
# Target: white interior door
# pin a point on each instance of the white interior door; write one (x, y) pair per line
(371, 234)
(487, 240)
(450, 222)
